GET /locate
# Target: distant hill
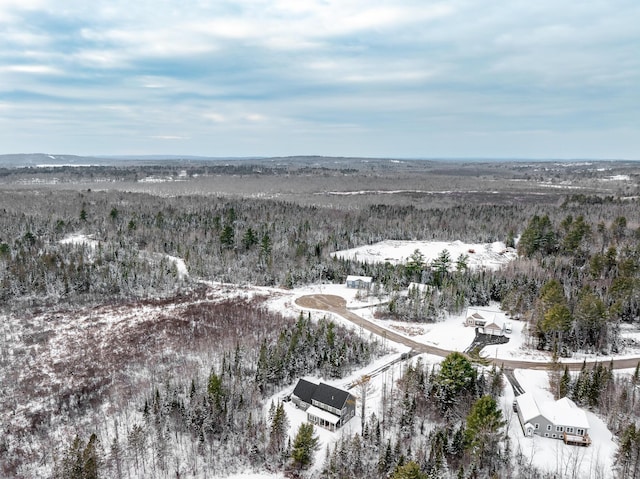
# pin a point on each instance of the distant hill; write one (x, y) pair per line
(35, 160)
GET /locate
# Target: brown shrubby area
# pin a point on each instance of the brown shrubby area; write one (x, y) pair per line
(92, 370)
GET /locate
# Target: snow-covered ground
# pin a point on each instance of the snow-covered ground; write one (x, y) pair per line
(481, 255)
(450, 333)
(547, 454)
(79, 238)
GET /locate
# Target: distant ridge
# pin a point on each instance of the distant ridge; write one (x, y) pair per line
(33, 160)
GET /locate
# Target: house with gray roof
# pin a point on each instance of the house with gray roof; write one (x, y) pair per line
(326, 406)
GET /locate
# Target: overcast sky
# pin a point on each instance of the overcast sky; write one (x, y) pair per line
(402, 78)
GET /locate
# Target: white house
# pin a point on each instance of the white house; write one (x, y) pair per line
(484, 325)
(487, 322)
(560, 419)
(359, 282)
(475, 319)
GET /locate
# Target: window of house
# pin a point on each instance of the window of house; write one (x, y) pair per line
(580, 432)
(559, 428)
(570, 430)
(546, 434)
(537, 426)
(548, 427)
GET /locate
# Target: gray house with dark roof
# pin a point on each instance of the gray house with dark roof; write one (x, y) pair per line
(326, 406)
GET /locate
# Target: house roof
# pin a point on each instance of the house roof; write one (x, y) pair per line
(366, 279)
(331, 396)
(562, 412)
(322, 414)
(528, 407)
(492, 326)
(323, 393)
(304, 390)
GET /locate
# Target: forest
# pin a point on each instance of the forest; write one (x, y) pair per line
(183, 394)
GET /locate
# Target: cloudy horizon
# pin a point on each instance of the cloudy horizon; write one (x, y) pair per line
(410, 79)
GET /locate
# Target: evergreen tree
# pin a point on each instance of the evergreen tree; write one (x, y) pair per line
(304, 445)
(455, 379)
(216, 391)
(116, 459)
(410, 470)
(227, 237)
(278, 431)
(81, 461)
(91, 458)
(483, 423)
(249, 239)
(440, 267)
(591, 321)
(565, 383)
(538, 236)
(414, 266)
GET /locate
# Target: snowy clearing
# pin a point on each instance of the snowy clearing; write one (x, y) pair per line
(80, 239)
(480, 255)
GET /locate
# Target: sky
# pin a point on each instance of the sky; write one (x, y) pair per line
(379, 78)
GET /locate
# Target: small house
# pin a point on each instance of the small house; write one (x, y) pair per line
(475, 320)
(359, 282)
(326, 406)
(560, 419)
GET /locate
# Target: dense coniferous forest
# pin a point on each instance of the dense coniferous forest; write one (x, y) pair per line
(206, 369)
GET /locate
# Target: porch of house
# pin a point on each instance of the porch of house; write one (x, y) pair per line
(323, 418)
(577, 440)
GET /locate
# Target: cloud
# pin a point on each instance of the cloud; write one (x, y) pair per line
(169, 137)
(418, 73)
(31, 69)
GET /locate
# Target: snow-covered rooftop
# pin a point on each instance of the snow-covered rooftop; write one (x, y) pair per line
(528, 407)
(322, 414)
(563, 412)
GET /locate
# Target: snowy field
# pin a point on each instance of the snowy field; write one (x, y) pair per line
(482, 255)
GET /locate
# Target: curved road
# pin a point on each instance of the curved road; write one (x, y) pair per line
(338, 305)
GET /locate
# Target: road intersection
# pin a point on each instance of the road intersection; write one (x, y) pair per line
(338, 305)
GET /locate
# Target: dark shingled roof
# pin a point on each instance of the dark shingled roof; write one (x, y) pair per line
(331, 396)
(305, 390)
